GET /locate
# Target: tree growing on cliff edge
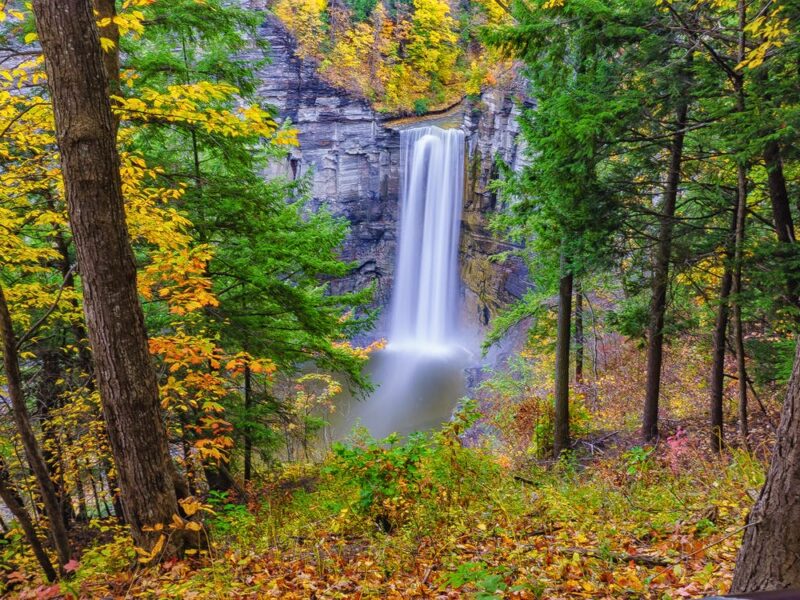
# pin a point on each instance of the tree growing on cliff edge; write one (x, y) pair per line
(86, 134)
(402, 56)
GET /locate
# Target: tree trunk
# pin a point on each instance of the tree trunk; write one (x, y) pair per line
(768, 558)
(579, 337)
(736, 289)
(49, 399)
(33, 452)
(778, 194)
(561, 423)
(83, 512)
(11, 499)
(781, 212)
(738, 252)
(248, 404)
(717, 382)
(86, 133)
(658, 302)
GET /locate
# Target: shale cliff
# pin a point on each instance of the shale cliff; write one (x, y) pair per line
(352, 155)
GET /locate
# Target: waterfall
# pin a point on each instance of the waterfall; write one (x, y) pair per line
(419, 377)
(425, 297)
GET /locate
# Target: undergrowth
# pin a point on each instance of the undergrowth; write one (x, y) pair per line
(426, 516)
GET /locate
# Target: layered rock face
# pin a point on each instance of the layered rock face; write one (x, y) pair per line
(493, 133)
(352, 159)
(352, 154)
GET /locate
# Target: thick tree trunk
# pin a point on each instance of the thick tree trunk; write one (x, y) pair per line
(86, 133)
(11, 499)
(561, 424)
(579, 336)
(658, 302)
(770, 554)
(33, 451)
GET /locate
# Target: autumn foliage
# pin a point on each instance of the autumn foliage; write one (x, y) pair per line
(404, 56)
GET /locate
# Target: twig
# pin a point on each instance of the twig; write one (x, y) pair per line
(640, 559)
(28, 334)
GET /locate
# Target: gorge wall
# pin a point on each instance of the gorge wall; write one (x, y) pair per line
(352, 154)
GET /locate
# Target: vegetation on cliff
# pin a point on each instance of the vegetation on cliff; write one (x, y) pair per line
(403, 55)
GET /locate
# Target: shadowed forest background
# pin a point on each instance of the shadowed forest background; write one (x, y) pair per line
(191, 306)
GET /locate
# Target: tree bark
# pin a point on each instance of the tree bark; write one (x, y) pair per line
(579, 336)
(11, 499)
(658, 302)
(86, 133)
(769, 557)
(561, 422)
(48, 398)
(781, 212)
(248, 441)
(778, 194)
(736, 290)
(717, 382)
(738, 252)
(33, 451)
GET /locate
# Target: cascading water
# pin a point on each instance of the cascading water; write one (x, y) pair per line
(425, 296)
(419, 377)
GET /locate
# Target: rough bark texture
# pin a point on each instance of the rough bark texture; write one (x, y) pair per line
(9, 495)
(658, 301)
(770, 554)
(561, 425)
(86, 134)
(33, 452)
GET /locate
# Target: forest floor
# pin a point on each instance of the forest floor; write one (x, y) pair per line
(434, 517)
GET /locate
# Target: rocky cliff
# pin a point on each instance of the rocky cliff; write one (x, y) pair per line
(352, 154)
(352, 159)
(493, 132)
